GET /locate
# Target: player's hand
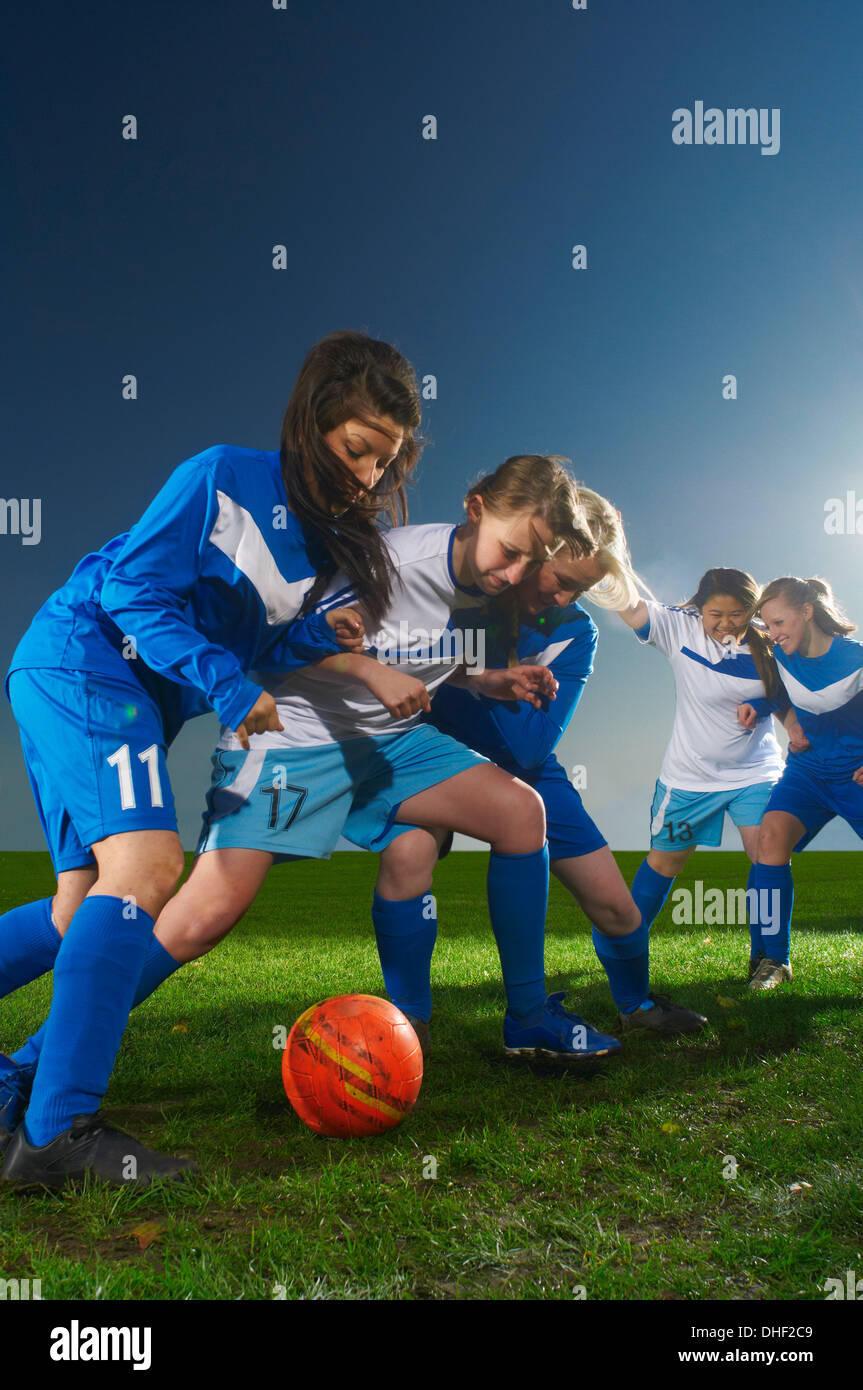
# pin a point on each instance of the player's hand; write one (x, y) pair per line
(530, 683)
(747, 716)
(262, 718)
(348, 628)
(858, 777)
(401, 694)
(797, 740)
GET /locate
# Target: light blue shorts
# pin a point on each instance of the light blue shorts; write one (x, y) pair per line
(296, 802)
(681, 820)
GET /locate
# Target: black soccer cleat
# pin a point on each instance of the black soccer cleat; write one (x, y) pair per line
(666, 1018)
(90, 1146)
(15, 1088)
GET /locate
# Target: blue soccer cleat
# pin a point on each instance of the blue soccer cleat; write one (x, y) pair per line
(15, 1088)
(556, 1034)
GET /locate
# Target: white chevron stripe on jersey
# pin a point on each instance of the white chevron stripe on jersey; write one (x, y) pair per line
(237, 535)
(832, 697)
(549, 654)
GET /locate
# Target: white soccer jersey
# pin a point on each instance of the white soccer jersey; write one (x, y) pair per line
(421, 635)
(708, 750)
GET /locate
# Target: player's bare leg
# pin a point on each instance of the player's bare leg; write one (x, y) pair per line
(73, 885)
(484, 802)
(598, 886)
(220, 889)
(488, 804)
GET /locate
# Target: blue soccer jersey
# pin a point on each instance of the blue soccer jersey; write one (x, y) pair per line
(827, 695)
(205, 587)
(511, 732)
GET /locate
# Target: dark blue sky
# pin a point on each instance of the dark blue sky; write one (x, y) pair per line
(303, 127)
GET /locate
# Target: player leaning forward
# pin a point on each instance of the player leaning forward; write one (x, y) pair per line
(353, 756)
(350, 756)
(157, 626)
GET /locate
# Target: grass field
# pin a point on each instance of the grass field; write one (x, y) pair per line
(612, 1179)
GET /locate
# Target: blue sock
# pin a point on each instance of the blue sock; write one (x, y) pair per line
(626, 962)
(95, 975)
(775, 887)
(159, 964)
(406, 936)
(517, 903)
(157, 967)
(756, 946)
(649, 891)
(29, 943)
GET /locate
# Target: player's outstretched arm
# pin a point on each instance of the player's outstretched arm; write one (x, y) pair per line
(636, 616)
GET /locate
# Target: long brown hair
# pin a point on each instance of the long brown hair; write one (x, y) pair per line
(827, 615)
(739, 585)
(540, 484)
(348, 375)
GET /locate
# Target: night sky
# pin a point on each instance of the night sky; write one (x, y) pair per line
(302, 127)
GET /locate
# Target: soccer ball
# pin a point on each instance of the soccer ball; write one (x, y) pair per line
(352, 1066)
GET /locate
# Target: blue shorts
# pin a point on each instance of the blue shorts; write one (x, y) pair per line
(570, 832)
(569, 829)
(96, 754)
(682, 820)
(296, 802)
(816, 800)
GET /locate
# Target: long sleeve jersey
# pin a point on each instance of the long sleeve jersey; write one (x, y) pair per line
(205, 587)
(513, 733)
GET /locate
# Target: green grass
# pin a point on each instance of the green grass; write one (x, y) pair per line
(546, 1180)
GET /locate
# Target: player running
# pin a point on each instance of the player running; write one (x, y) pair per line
(711, 767)
(157, 626)
(821, 670)
(546, 625)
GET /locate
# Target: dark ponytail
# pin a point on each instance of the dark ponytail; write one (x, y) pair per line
(349, 375)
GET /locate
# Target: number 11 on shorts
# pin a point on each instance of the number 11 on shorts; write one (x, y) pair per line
(123, 763)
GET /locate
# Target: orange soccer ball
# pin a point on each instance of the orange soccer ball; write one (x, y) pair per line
(352, 1066)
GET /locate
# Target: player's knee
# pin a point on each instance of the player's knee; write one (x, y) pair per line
(165, 872)
(772, 844)
(616, 919)
(408, 861)
(522, 815)
(204, 929)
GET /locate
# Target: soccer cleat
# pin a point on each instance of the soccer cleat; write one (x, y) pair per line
(754, 962)
(769, 974)
(89, 1146)
(15, 1088)
(665, 1017)
(423, 1032)
(556, 1034)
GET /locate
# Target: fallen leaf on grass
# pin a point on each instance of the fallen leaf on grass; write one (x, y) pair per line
(669, 1128)
(180, 1028)
(725, 1002)
(146, 1233)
